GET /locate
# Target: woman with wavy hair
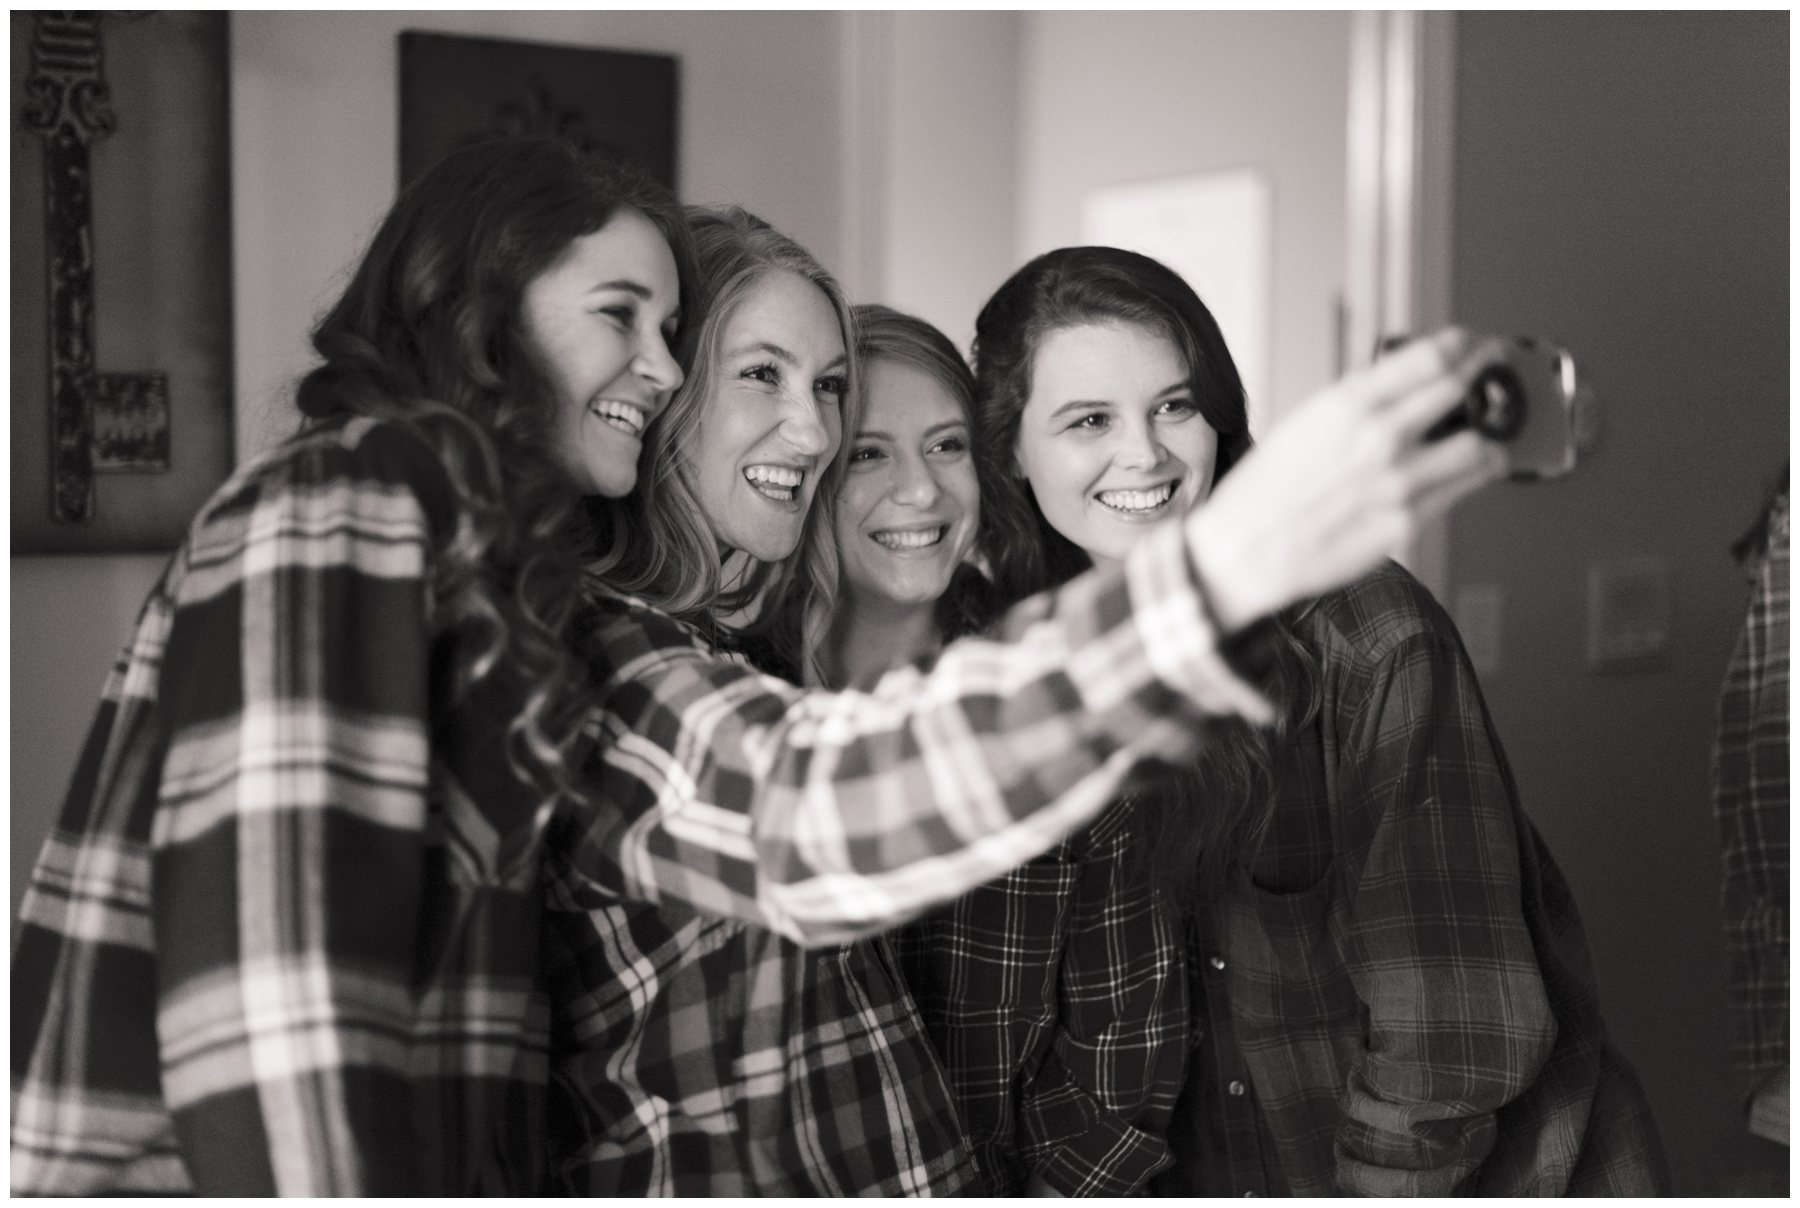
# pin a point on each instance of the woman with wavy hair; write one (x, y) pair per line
(283, 937)
(1389, 989)
(699, 1055)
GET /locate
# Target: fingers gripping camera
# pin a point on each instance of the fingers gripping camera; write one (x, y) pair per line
(1527, 401)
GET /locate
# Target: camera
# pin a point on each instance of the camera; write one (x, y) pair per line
(1527, 401)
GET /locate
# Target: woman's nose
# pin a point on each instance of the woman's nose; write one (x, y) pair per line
(806, 430)
(917, 487)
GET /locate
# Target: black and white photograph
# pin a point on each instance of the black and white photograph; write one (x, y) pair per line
(900, 602)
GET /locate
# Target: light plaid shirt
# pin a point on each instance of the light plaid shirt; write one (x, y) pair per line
(285, 935)
(1752, 803)
(712, 1035)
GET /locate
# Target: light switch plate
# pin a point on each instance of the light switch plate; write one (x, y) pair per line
(1628, 614)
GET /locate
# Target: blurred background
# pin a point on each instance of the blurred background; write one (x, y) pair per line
(1615, 181)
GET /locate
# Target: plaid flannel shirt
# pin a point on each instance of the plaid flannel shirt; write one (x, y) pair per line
(713, 1034)
(1750, 799)
(1056, 998)
(1397, 998)
(283, 936)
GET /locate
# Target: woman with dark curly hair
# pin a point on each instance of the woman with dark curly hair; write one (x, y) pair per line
(283, 937)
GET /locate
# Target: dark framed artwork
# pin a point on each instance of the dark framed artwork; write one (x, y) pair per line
(456, 90)
(121, 277)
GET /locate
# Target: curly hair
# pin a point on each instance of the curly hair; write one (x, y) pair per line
(661, 546)
(429, 335)
(1199, 849)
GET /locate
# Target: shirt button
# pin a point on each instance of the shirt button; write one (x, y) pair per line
(1217, 962)
(1235, 1087)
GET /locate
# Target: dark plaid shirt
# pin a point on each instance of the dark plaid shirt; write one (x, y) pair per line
(1750, 797)
(1398, 999)
(1055, 996)
(285, 935)
(713, 1034)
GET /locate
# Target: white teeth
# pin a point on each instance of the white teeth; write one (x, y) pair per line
(779, 476)
(777, 482)
(620, 415)
(914, 539)
(1138, 501)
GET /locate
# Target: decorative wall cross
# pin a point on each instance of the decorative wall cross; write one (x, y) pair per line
(99, 422)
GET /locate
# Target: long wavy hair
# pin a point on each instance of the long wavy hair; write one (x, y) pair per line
(660, 545)
(429, 335)
(886, 334)
(1199, 850)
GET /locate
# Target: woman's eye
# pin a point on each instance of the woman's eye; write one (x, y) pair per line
(864, 453)
(762, 373)
(834, 385)
(950, 444)
(1094, 421)
(624, 316)
(1180, 406)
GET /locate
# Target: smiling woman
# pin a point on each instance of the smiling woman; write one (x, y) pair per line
(772, 416)
(908, 510)
(600, 321)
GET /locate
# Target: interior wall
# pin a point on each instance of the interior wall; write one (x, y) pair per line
(315, 144)
(1119, 97)
(951, 175)
(1621, 186)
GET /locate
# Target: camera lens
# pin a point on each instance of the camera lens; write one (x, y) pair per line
(1496, 403)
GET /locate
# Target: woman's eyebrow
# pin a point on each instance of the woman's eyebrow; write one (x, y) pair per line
(636, 288)
(1075, 403)
(768, 349)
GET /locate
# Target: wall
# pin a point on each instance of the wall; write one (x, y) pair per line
(951, 176)
(1112, 98)
(1622, 186)
(315, 140)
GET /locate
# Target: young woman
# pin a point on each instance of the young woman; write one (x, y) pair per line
(284, 936)
(1010, 1023)
(909, 505)
(1389, 983)
(694, 1054)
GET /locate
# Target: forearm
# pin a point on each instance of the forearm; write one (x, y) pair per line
(830, 816)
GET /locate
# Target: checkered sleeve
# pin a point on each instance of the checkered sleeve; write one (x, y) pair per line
(1751, 802)
(288, 846)
(1093, 1115)
(828, 816)
(1438, 950)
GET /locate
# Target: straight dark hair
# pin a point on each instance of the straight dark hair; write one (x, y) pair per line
(1212, 814)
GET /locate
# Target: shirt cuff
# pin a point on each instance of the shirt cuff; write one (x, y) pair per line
(1179, 630)
(1111, 1158)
